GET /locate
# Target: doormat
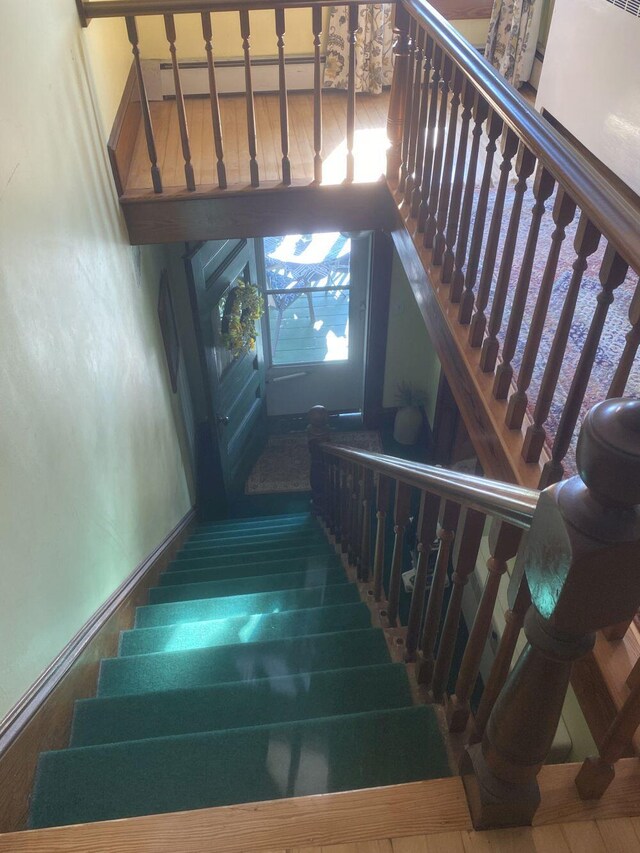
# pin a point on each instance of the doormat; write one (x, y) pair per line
(284, 463)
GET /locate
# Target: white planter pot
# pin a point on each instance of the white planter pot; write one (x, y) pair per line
(407, 425)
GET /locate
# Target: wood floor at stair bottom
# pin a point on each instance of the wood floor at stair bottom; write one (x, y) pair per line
(419, 817)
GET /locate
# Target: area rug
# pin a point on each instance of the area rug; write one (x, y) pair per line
(616, 327)
(284, 463)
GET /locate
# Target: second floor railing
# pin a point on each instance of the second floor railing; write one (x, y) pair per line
(534, 254)
(575, 573)
(130, 11)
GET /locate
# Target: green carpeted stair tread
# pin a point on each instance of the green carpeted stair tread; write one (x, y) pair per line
(211, 561)
(271, 539)
(195, 610)
(239, 765)
(241, 662)
(242, 586)
(231, 537)
(265, 701)
(243, 629)
(268, 567)
(260, 522)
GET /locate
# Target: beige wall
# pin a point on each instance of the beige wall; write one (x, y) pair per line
(410, 354)
(92, 473)
(228, 43)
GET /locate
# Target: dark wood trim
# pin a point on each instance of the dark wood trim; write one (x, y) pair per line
(487, 431)
(41, 720)
(377, 328)
(445, 424)
(266, 212)
(124, 132)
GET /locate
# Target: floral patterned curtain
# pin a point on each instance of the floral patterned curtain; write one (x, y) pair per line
(373, 48)
(512, 39)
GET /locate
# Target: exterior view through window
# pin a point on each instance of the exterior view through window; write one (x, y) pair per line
(307, 288)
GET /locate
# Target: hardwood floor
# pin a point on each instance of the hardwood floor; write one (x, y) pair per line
(370, 140)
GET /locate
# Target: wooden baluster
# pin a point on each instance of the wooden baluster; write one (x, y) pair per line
(580, 560)
(455, 85)
(514, 620)
(367, 503)
(425, 95)
(612, 274)
(335, 498)
(425, 534)
(282, 91)
(354, 516)
(479, 319)
(494, 129)
(408, 104)
(132, 32)
(416, 128)
(170, 30)
(328, 507)
(525, 164)
(446, 535)
(504, 541)
(245, 32)
(598, 772)
(563, 212)
(316, 23)
(399, 82)
(468, 96)
(430, 222)
(586, 243)
(542, 189)
(621, 376)
(356, 510)
(345, 487)
(351, 91)
(338, 498)
(480, 113)
(340, 520)
(401, 512)
(430, 139)
(383, 490)
(468, 543)
(207, 32)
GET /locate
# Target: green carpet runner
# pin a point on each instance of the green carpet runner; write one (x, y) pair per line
(246, 678)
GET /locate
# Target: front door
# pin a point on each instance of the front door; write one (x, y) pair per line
(234, 382)
(316, 288)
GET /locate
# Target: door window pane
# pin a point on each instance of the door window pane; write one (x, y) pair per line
(307, 295)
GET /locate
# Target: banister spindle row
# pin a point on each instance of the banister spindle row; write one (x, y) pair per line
(453, 206)
(352, 493)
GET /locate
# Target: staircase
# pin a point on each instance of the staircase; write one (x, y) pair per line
(254, 673)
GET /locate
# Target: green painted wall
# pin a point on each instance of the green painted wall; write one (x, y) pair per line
(92, 470)
(410, 353)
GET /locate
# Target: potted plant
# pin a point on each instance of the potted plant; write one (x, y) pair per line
(408, 421)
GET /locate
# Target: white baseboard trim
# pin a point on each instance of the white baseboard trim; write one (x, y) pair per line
(229, 76)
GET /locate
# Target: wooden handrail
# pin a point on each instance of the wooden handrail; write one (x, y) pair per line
(122, 8)
(606, 207)
(509, 503)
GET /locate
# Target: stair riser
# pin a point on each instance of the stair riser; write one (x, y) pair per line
(227, 632)
(249, 557)
(206, 667)
(259, 523)
(264, 702)
(275, 567)
(244, 605)
(214, 769)
(267, 539)
(243, 586)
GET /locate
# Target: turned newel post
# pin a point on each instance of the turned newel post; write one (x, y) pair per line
(399, 83)
(581, 563)
(317, 434)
